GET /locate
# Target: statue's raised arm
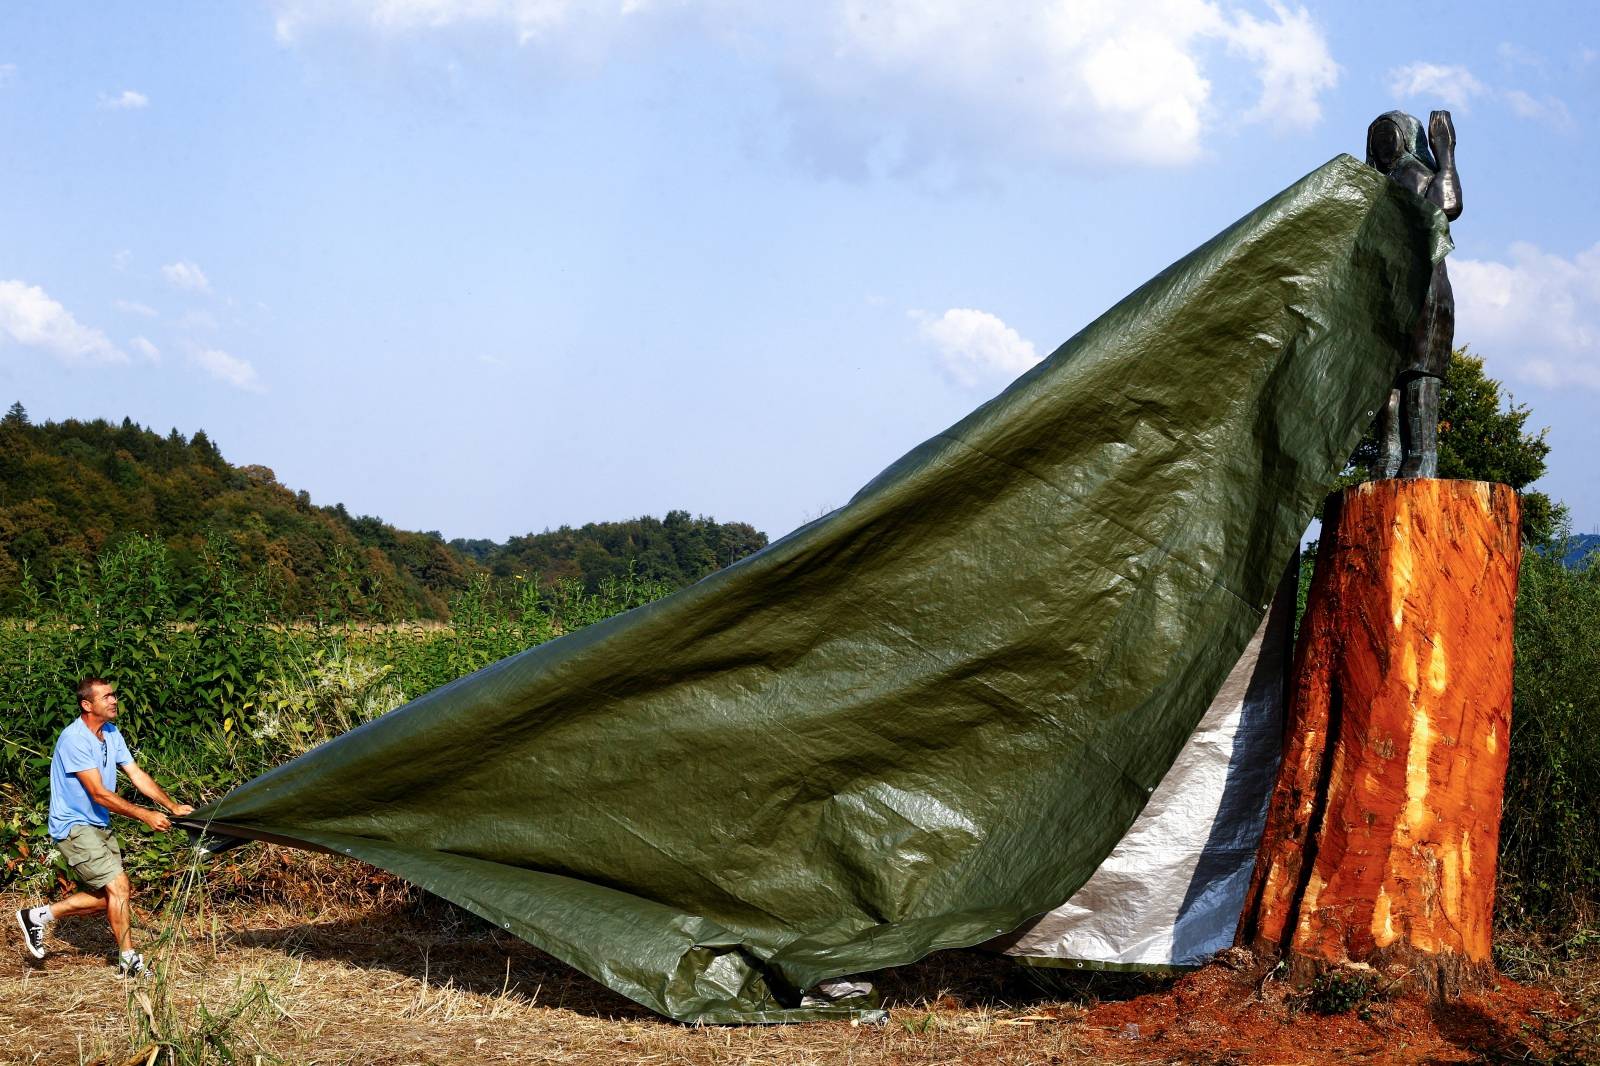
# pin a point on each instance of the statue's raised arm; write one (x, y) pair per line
(1445, 190)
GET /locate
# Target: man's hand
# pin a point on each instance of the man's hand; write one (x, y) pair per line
(181, 808)
(155, 820)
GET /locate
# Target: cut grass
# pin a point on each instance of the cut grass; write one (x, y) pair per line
(420, 982)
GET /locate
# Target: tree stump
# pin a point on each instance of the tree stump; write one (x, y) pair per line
(1380, 845)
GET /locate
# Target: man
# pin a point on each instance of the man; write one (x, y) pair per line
(83, 784)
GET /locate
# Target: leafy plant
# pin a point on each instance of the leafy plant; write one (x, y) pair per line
(1339, 991)
(217, 685)
(1550, 828)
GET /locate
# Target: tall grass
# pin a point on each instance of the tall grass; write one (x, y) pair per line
(1550, 830)
(220, 690)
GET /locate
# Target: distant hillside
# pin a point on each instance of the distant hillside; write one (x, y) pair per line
(69, 489)
(1579, 546)
(677, 549)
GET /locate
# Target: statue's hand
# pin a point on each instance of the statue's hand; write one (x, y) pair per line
(1441, 133)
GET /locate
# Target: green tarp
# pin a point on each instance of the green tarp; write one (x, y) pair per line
(928, 716)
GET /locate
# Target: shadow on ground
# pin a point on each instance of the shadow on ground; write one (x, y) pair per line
(473, 956)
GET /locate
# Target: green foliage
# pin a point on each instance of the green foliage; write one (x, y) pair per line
(70, 489)
(1340, 991)
(1483, 436)
(676, 549)
(216, 689)
(1550, 829)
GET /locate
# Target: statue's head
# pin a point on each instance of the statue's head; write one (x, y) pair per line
(1392, 137)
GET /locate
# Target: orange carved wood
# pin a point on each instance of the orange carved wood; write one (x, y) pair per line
(1381, 838)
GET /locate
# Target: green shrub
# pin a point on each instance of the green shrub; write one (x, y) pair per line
(222, 688)
(1550, 829)
(1340, 991)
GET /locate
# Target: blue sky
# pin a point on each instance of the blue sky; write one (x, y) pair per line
(490, 266)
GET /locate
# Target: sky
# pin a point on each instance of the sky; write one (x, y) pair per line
(488, 267)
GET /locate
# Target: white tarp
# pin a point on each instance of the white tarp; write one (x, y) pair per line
(1171, 892)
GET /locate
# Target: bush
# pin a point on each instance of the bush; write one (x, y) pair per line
(1550, 832)
(221, 689)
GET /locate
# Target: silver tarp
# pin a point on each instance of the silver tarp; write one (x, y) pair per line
(1170, 893)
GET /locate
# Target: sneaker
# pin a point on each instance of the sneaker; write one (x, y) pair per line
(130, 964)
(32, 934)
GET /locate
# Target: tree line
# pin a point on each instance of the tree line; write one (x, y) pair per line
(70, 490)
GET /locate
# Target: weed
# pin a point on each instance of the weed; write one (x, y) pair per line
(222, 688)
(1340, 992)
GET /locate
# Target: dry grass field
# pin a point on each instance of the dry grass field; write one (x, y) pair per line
(388, 980)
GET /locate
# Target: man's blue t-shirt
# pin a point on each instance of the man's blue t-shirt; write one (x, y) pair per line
(79, 749)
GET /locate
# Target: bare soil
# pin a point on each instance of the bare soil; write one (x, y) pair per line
(414, 984)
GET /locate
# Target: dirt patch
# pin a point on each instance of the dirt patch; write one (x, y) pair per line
(1238, 1012)
(433, 986)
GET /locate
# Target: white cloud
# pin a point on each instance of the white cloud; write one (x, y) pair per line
(126, 100)
(1517, 55)
(1537, 313)
(29, 317)
(197, 320)
(134, 307)
(1085, 82)
(528, 18)
(1549, 110)
(143, 346)
(8, 73)
(1292, 61)
(1453, 86)
(975, 347)
(226, 368)
(186, 275)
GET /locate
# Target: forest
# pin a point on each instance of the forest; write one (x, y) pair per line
(71, 490)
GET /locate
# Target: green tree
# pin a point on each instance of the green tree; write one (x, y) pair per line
(1483, 436)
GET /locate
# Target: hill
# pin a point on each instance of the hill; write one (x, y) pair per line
(69, 489)
(1579, 547)
(677, 549)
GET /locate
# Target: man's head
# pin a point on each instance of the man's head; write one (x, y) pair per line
(97, 699)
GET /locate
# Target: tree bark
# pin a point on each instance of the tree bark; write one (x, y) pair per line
(1382, 834)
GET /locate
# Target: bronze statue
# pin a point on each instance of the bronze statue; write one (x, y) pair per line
(1408, 425)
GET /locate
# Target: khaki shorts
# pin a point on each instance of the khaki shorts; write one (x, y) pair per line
(93, 854)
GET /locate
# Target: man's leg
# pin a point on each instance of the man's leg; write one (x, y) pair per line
(79, 903)
(32, 920)
(118, 910)
(96, 858)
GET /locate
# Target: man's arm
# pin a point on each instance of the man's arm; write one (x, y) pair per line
(147, 785)
(113, 802)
